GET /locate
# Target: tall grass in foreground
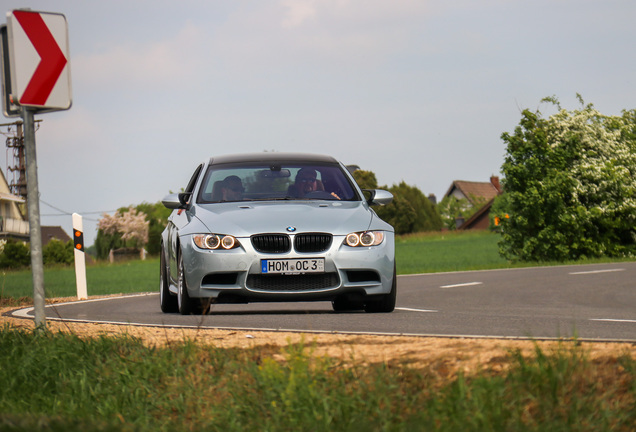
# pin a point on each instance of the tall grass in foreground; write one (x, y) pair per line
(116, 383)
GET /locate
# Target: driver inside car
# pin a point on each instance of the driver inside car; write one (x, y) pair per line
(232, 189)
(307, 182)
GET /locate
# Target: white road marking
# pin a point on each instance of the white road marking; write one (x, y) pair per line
(24, 313)
(597, 271)
(613, 320)
(462, 285)
(415, 310)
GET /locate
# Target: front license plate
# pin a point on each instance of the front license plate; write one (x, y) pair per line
(293, 266)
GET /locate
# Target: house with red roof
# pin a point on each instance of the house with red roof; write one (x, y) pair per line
(476, 194)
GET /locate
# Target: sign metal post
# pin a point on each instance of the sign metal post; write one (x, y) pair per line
(33, 206)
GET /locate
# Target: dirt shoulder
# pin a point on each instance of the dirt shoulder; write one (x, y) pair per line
(447, 356)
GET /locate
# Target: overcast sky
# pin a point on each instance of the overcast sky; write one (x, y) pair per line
(415, 91)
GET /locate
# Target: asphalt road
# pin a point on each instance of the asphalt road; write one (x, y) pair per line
(592, 302)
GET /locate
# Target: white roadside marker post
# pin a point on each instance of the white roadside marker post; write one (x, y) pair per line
(80, 259)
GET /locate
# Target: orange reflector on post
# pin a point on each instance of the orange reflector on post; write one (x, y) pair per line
(78, 240)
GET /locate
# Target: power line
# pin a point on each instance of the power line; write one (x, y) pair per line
(66, 213)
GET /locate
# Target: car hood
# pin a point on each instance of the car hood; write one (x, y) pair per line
(245, 219)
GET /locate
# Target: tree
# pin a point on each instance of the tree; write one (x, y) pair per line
(155, 216)
(410, 211)
(570, 182)
(499, 211)
(366, 179)
(426, 216)
(400, 214)
(128, 227)
(58, 252)
(105, 242)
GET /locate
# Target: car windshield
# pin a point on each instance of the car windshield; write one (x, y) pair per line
(266, 182)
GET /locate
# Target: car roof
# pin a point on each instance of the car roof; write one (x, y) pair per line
(271, 157)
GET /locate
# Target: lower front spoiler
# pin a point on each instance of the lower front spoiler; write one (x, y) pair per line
(247, 288)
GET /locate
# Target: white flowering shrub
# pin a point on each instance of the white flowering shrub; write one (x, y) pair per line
(131, 225)
(570, 182)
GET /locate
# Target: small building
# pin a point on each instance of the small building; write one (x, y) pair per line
(479, 220)
(480, 194)
(53, 232)
(13, 223)
(475, 192)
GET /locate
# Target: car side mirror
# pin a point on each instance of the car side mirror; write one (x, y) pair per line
(176, 201)
(378, 197)
(184, 198)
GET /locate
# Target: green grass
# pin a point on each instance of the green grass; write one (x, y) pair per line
(450, 251)
(462, 251)
(61, 382)
(101, 279)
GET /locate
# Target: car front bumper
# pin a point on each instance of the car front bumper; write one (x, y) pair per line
(235, 275)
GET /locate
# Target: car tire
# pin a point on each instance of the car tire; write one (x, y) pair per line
(168, 301)
(383, 303)
(186, 305)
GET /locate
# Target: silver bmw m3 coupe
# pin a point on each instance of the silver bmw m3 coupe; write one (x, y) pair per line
(272, 227)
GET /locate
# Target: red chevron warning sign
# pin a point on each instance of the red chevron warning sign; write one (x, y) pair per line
(39, 59)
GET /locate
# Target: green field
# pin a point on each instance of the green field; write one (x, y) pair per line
(445, 252)
(101, 279)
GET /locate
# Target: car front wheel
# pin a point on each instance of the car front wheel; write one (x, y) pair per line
(347, 304)
(187, 305)
(383, 303)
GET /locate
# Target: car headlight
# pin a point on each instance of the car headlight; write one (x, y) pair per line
(364, 239)
(215, 241)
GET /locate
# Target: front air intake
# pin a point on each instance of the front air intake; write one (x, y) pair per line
(271, 243)
(312, 243)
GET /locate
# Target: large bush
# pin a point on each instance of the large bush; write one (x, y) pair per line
(58, 252)
(14, 254)
(570, 181)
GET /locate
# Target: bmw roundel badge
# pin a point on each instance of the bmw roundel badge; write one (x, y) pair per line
(291, 229)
